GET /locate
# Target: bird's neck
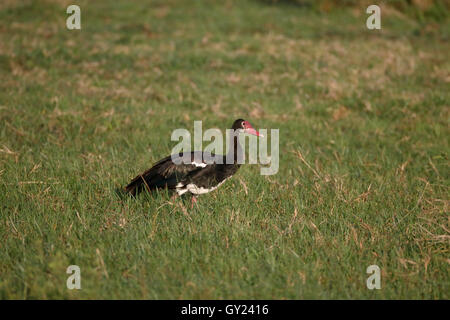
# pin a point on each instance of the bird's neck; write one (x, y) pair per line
(235, 152)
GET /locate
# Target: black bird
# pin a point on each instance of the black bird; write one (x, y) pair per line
(198, 173)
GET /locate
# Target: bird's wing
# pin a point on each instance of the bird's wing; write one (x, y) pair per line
(171, 170)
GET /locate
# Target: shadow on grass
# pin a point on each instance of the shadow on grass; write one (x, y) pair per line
(122, 194)
(156, 195)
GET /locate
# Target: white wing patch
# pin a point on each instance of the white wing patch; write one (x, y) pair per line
(181, 189)
(194, 189)
(201, 164)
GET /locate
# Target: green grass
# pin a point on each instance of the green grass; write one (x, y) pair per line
(364, 142)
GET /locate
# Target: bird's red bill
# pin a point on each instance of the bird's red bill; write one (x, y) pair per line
(251, 130)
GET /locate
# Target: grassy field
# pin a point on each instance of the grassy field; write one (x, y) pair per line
(364, 151)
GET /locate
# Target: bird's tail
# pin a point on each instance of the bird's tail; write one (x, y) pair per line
(139, 184)
(135, 185)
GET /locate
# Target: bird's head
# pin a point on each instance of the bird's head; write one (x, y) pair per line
(243, 126)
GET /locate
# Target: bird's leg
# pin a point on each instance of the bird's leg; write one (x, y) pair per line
(193, 200)
(173, 197)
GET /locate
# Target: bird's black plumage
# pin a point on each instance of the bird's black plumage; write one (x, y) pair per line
(196, 176)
